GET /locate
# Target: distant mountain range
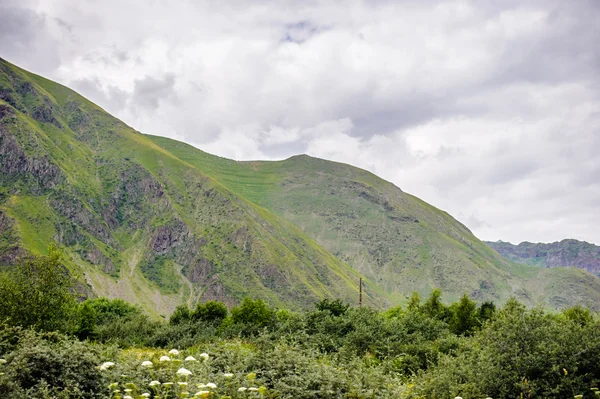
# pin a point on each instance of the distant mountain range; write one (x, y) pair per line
(160, 223)
(566, 253)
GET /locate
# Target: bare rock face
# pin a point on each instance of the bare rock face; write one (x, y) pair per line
(566, 253)
(242, 239)
(200, 271)
(96, 257)
(14, 163)
(6, 111)
(169, 236)
(9, 248)
(74, 210)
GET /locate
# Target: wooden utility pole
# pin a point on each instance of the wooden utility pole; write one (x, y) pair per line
(360, 292)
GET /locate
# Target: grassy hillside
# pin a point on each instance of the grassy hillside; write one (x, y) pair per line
(400, 242)
(159, 222)
(138, 222)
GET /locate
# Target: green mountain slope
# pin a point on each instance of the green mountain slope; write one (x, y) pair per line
(398, 241)
(138, 222)
(159, 222)
(565, 253)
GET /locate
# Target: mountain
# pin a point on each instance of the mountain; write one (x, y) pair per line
(159, 222)
(566, 253)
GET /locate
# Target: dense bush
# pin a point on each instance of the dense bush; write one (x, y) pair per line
(427, 349)
(39, 293)
(521, 353)
(48, 365)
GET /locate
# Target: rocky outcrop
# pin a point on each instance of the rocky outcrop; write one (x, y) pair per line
(9, 241)
(96, 257)
(15, 164)
(75, 211)
(168, 237)
(200, 271)
(566, 253)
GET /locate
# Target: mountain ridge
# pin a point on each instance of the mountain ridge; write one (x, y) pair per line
(565, 253)
(159, 222)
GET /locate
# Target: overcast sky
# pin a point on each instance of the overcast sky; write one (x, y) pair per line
(489, 110)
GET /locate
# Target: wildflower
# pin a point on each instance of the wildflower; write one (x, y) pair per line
(204, 356)
(202, 394)
(146, 395)
(252, 376)
(174, 352)
(201, 386)
(106, 365)
(147, 363)
(190, 359)
(184, 372)
(578, 396)
(211, 385)
(154, 383)
(127, 397)
(253, 389)
(458, 397)
(2, 361)
(128, 390)
(113, 385)
(565, 371)
(184, 394)
(242, 389)
(262, 390)
(167, 384)
(183, 384)
(164, 359)
(228, 375)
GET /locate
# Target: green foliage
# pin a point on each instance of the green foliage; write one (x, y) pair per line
(335, 307)
(212, 312)
(49, 366)
(253, 314)
(98, 313)
(486, 311)
(38, 293)
(464, 319)
(434, 307)
(520, 352)
(181, 314)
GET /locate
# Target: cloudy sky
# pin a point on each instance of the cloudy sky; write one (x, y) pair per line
(488, 109)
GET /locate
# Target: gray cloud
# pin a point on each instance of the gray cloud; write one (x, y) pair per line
(23, 33)
(486, 109)
(149, 91)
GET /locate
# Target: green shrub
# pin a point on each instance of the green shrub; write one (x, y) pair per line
(39, 293)
(251, 316)
(212, 312)
(50, 365)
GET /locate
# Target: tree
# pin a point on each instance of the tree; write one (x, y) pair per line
(39, 293)
(414, 302)
(181, 314)
(336, 307)
(434, 307)
(252, 312)
(486, 311)
(210, 312)
(464, 316)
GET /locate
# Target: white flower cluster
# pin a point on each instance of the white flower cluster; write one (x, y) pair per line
(106, 365)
